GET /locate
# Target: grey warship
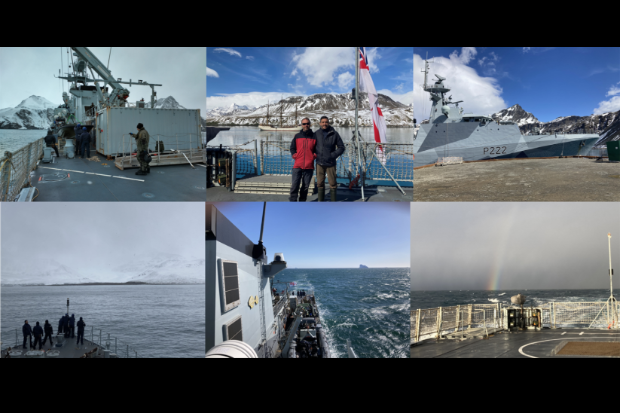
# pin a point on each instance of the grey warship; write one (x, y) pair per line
(99, 102)
(472, 137)
(250, 314)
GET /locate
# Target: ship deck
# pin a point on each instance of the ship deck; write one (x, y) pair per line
(67, 351)
(534, 180)
(546, 343)
(83, 180)
(344, 194)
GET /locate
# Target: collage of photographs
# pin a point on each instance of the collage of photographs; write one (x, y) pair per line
(458, 202)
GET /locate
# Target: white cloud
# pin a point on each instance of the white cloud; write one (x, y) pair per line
(611, 105)
(231, 52)
(345, 80)
(212, 73)
(481, 95)
(321, 65)
(405, 98)
(526, 49)
(250, 57)
(249, 99)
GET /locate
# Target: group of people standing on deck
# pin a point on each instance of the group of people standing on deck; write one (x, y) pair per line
(66, 326)
(324, 146)
(82, 141)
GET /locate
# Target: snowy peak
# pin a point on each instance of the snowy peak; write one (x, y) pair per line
(340, 108)
(165, 103)
(517, 115)
(36, 102)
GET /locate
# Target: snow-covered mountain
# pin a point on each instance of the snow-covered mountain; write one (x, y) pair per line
(606, 124)
(35, 112)
(40, 272)
(340, 108)
(165, 103)
(162, 268)
(155, 268)
(516, 114)
(231, 110)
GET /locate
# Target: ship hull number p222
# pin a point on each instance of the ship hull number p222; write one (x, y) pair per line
(495, 150)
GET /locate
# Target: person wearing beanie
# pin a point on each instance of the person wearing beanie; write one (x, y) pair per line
(85, 142)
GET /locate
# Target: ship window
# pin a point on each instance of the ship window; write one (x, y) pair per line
(234, 330)
(230, 285)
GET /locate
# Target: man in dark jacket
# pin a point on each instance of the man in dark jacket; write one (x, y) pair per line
(85, 138)
(78, 140)
(49, 332)
(329, 147)
(27, 331)
(142, 149)
(65, 326)
(303, 150)
(37, 331)
(50, 141)
(72, 325)
(80, 325)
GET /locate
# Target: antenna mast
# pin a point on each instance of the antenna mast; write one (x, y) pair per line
(612, 304)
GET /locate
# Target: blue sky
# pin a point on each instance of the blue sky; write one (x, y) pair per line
(549, 82)
(312, 235)
(253, 75)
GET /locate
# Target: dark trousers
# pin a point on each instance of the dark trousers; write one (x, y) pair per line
(78, 148)
(55, 148)
(86, 149)
(45, 339)
(37, 339)
(26, 338)
(330, 171)
(303, 177)
(80, 337)
(72, 331)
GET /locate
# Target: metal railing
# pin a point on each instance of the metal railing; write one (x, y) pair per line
(275, 159)
(579, 314)
(598, 152)
(436, 322)
(97, 337)
(15, 169)
(195, 153)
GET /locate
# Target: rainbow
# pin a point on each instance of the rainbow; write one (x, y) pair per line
(495, 275)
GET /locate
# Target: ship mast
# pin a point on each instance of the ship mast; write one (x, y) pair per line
(357, 134)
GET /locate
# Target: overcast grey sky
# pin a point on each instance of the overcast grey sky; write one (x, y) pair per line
(26, 71)
(90, 235)
(487, 246)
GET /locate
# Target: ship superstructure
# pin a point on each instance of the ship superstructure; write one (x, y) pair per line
(245, 303)
(452, 133)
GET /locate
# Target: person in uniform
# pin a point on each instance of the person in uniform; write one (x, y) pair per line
(60, 325)
(142, 144)
(80, 325)
(50, 141)
(49, 332)
(37, 331)
(85, 138)
(72, 325)
(27, 331)
(78, 140)
(66, 326)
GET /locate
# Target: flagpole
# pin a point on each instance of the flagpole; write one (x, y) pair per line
(357, 94)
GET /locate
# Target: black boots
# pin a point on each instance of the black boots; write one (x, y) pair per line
(140, 172)
(321, 194)
(332, 192)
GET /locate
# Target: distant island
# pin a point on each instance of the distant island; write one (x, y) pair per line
(363, 266)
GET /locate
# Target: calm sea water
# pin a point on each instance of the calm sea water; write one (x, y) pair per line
(370, 307)
(238, 135)
(156, 320)
(13, 139)
(433, 299)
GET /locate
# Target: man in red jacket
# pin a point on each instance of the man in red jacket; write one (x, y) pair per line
(303, 150)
